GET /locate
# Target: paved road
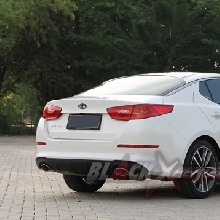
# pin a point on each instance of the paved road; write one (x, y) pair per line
(28, 193)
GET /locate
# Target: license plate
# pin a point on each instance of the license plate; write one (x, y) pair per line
(84, 122)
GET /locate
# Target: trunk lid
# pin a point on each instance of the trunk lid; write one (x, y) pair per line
(110, 129)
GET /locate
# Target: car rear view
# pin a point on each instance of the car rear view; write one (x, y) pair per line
(112, 131)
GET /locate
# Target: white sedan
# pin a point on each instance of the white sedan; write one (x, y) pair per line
(163, 126)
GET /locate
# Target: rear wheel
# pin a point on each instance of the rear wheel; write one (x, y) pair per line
(80, 184)
(200, 170)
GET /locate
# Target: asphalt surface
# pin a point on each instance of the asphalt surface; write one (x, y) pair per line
(29, 193)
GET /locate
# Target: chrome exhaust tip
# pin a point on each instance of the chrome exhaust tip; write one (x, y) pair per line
(44, 167)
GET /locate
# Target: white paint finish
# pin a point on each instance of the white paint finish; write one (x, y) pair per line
(173, 132)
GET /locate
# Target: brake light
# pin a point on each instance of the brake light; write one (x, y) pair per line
(51, 112)
(141, 111)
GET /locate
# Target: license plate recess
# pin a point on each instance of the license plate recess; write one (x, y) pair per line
(84, 122)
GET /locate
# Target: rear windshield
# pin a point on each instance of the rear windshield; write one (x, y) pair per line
(137, 85)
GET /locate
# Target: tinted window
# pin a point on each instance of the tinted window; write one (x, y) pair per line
(204, 90)
(137, 85)
(214, 88)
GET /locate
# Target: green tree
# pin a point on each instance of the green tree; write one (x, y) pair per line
(63, 47)
(11, 21)
(106, 40)
(35, 49)
(43, 49)
(188, 35)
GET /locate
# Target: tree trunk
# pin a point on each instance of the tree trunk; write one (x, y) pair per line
(171, 54)
(2, 74)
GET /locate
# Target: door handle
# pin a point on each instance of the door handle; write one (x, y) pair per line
(216, 115)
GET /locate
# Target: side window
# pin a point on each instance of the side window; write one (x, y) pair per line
(214, 88)
(204, 90)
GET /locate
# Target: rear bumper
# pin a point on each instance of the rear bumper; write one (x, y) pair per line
(94, 169)
(64, 155)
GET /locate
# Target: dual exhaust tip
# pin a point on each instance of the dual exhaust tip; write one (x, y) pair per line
(44, 167)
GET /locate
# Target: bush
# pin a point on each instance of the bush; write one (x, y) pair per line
(19, 111)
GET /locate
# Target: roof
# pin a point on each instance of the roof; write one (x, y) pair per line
(188, 76)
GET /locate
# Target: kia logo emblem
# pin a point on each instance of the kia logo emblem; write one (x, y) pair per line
(82, 106)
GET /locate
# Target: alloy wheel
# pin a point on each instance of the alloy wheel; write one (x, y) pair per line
(203, 169)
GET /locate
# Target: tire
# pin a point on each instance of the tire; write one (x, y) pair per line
(199, 171)
(80, 184)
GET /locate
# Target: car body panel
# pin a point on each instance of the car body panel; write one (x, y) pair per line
(109, 130)
(173, 132)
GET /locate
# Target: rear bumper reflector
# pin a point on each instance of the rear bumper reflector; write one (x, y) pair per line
(41, 143)
(137, 146)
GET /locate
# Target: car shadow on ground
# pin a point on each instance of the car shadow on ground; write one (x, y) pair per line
(158, 191)
(130, 191)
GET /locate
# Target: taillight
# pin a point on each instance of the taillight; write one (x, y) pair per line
(51, 112)
(121, 112)
(141, 111)
(148, 111)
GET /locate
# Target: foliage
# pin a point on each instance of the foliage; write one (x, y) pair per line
(43, 50)
(17, 106)
(11, 20)
(105, 41)
(189, 34)
(59, 48)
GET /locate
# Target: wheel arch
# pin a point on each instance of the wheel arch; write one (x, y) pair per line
(212, 141)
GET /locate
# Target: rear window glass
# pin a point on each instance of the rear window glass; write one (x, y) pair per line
(214, 87)
(203, 89)
(137, 85)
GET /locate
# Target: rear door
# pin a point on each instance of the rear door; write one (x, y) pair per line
(207, 97)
